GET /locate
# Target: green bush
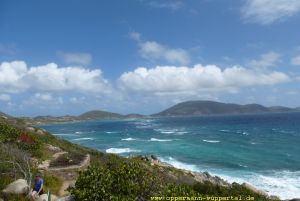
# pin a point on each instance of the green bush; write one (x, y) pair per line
(8, 133)
(117, 180)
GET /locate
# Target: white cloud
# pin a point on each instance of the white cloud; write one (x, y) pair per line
(135, 35)
(76, 57)
(168, 80)
(16, 76)
(5, 97)
(155, 51)
(269, 11)
(172, 4)
(268, 59)
(44, 96)
(295, 60)
(11, 74)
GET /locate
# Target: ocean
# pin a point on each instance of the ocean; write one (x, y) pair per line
(262, 149)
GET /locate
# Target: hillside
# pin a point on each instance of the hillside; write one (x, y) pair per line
(137, 178)
(201, 108)
(97, 114)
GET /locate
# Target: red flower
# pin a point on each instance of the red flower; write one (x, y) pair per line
(26, 138)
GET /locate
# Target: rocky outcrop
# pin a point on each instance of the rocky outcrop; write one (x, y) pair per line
(66, 198)
(252, 188)
(17, 187)
(44, 197)
(205, 176)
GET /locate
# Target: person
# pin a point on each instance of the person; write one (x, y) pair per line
(38, 186)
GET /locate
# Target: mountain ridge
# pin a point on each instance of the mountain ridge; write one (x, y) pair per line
(203, 108)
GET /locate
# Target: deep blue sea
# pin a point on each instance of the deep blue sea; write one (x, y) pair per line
(263, 150)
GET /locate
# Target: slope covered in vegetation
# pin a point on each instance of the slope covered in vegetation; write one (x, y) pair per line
(108, 177)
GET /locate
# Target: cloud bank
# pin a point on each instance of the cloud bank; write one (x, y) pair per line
(269, 11)
(17, 77)
(163, 80)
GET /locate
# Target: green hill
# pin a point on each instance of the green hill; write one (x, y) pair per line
(201, 108)
(97, 114)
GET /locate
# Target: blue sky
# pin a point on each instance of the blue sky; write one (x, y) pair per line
(142, 56)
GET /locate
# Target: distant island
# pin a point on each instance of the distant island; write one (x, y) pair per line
(188, 108)
(203, 108)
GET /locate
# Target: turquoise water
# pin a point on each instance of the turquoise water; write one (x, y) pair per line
(263, 150)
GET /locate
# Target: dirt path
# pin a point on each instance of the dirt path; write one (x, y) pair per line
(45, 164)
(83, 163)
(62, 191)
(67, 181)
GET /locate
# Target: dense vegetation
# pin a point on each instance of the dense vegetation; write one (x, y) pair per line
(109, 177)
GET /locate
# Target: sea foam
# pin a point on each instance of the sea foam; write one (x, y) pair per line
(211, 141)
(128, 139)
(120, 150)
(160, 140)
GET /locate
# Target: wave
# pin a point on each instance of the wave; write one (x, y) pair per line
(83, 138)
(211, 141)
(129, 139)
(120, 150)
(160, 140)
(111, 132)
(224, 130)
(179, 164)
(78, 132)
(63, 134)
(284, 184)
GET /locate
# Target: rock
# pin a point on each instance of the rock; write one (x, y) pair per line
(53, 148)
(40, 132)
(30, 129)
(1, 199)
(66, 198)
(252, 188)
(44, 197)
(295, 199)
(19, 186)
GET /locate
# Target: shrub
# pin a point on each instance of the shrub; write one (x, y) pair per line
(8, 133)
(117, 180)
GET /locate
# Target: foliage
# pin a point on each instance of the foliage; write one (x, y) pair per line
(52, 183)
(117, 180)
(8, 133)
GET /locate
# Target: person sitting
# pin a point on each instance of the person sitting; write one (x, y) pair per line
(38, 187)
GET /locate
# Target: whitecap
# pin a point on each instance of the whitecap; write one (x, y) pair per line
(83, 138)
(225, 131)
(129, 139)
(160, 140)
(211, 141)
(78, 132)
(63, 134)
(121, 150)
(179, 164)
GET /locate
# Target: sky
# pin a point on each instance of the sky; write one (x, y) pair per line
(143, 56)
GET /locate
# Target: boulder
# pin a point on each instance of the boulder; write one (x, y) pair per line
(19, 186)
(53, 148)
(40, 132)
(255, 190)
(44, 197)
(66, 198)
(30, 129)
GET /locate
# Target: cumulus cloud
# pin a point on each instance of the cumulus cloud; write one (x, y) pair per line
(269, 11)
(155, 51)
(296, 60)
(166, 80)
(76, 57)
(268, 59)
(16, 76)
(5, 97)
(173, 4)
